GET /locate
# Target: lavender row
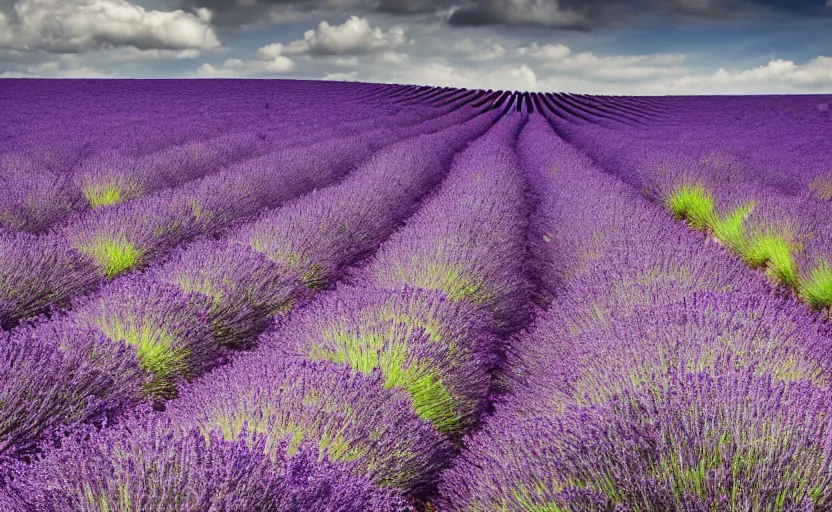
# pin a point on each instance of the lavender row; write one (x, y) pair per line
(665, 376)
(766, 202)
(35, 199)
(39, 273)
(177, 320)
(412, 353)
(149, 116)
(144, 117)
(360, 417)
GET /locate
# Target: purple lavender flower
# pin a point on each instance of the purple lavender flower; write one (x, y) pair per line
(36, 273)
(687, 442)
(57, 374)
(126, 236)
(35, 198)
(706, 332)
(438, 350)
(160, 466)
(468, 240)
(242, 287)
(350, 417)
(111, 178)
(166, 326)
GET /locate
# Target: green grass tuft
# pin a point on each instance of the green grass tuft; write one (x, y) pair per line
(772, 249)
(112, 256)
(154, 348)
(692, 203)
(103, 196)
(431, 400)
(817, 289)
(730, 230)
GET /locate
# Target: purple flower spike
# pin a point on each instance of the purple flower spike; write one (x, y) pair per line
(126, 236)
(436, 349)
(688, 442)
(162, 467)
(243, 288)
(351, 418)
(56, 374)
(36, 273)
(167, 327)
(33, 199)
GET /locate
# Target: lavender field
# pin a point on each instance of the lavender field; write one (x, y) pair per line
(277, 295)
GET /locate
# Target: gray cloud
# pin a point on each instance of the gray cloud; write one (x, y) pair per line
(586, 14)
(354, 37)
(567, 14)
(412, 6)
(73, 26)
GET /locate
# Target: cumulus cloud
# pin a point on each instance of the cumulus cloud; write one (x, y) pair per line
(498, 62)
(268, 63)
(777, 76)
(239, 68)
(73, 26)
(55, 69)
(480, 50)
(342, 77)
(568, 14)
(558, 57)
(353, 37)
(520, 76)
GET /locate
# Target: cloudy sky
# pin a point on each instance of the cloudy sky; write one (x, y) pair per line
(589, 46)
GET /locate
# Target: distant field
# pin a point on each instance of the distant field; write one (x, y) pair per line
(277, 295)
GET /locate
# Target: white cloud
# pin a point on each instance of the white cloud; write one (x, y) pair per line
(555, 67)
(239, 68)
(353, 37)
(442, 74)
(55, 69)
(394, 58)
(351, 76)
(558, 57)
(547, 51)
(480, 50)
(778, 76)
(69, 26)
(517, 12)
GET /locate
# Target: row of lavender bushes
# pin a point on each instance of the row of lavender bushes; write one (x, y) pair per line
(187, 315)
(34, 198)
(56, 126)
(722, 172)
(662, 376)
(39, 273)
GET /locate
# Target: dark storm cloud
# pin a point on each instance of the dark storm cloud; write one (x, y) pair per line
(586, 14)
(411, 6)
(568, 14)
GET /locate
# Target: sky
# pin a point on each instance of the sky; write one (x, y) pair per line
(618, 47)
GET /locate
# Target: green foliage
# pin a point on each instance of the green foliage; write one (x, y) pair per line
(816, 290)
(730, 230)
(113, 256)
(154, 348)
(692, 203)
(431, 400)
(768, 247)
(103, 196)
(772, 249)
